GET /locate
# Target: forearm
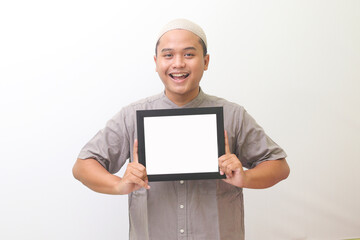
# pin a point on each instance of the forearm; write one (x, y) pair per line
(96, 177)
(266, 174)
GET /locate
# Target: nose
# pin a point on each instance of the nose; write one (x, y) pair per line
(179, 62)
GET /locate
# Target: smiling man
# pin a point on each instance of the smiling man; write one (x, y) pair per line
(180, 63)
(196, 209)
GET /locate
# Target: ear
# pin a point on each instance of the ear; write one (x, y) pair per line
(206, 62)
(155, 60)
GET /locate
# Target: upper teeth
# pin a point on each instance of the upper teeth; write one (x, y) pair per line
(178, 74)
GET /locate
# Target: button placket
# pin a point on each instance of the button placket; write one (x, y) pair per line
(181, 209)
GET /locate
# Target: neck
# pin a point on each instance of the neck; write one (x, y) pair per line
(182, 99)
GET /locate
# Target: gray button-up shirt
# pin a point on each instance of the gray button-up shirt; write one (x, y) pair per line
(187, 210)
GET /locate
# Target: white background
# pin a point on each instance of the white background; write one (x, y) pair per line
(66, 67)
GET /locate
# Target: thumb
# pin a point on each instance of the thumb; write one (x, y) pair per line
(135, 151)
(227, 147)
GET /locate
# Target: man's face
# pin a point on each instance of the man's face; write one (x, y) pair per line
(180, 64)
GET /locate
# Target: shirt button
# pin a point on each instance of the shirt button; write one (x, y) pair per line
(182, 230)
(181, 181)
(181, 206)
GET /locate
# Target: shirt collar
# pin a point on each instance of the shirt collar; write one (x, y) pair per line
(192, 104)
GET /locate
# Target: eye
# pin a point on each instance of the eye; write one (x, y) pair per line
(189, 55)
(167, 55)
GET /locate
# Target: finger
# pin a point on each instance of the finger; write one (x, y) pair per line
(223, 167)
(138, 169)
(136, 165)
(135, 151)
(143, 182)
(219, 164)
(133, 177)
(224, 161)
(225, 157)
(147, 183)
(146, 179)
(140, 182)
(229, 166)
(137, 172)
(230, 169)
(226, 169)
(227, 147)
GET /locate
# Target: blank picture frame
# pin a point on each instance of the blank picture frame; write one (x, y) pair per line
(181, 144)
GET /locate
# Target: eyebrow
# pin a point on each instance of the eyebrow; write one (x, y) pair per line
(171, 49)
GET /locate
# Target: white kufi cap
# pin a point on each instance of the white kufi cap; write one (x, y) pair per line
(185, 25)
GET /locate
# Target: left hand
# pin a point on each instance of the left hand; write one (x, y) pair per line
(231, 166)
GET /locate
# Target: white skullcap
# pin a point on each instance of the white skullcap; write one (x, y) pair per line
(185, 25)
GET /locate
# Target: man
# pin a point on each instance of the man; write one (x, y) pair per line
(196, 209)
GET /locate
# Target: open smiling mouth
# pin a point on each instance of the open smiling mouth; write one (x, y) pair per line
(179, 76)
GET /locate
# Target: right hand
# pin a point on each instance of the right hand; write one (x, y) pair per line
(135, 176)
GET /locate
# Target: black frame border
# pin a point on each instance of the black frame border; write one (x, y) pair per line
(141, 114)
